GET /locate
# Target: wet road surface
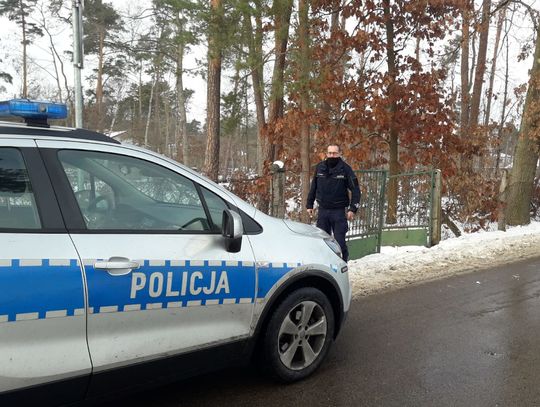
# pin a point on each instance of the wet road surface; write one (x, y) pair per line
(469, 340)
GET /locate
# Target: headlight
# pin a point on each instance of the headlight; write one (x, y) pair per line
(332, 244)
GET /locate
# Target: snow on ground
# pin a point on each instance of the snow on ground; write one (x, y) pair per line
(397, 267)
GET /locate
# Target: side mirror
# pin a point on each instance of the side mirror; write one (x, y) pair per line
(232, 230)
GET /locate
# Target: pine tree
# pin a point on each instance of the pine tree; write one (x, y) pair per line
(101, 23)
(19, 11)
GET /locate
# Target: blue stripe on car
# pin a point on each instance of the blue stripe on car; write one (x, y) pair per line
(38, 289)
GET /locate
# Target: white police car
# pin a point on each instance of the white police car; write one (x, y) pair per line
(119, 267)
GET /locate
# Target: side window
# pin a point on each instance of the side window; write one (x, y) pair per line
(117, 192)
(215, 205)
(18, 208)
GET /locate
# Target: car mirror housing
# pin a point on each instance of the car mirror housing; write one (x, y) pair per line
(232, 231)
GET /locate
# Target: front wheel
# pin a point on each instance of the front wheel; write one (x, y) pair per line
(298, 335)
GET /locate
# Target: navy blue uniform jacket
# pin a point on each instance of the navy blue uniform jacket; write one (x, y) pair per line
(330, 187)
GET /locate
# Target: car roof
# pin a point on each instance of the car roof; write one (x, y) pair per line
(14, 129)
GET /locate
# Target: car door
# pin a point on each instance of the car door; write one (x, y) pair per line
(42, 301)
(160, 282)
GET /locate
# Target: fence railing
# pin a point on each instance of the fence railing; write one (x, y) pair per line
(417, 217)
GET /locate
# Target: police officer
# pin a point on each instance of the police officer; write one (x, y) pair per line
(330, 185)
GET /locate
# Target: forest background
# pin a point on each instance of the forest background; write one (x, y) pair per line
(230, 86)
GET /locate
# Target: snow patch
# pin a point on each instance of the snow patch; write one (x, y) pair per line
(397, 267)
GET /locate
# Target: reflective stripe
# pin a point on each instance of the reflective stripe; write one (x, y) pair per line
(292, 265)
(27, 316)
(56, 314)
(59, 262)
(31, 263)
(111, 308)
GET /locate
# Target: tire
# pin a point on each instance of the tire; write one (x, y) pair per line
(290, 352)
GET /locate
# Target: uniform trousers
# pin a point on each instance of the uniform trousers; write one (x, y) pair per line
(334, 221)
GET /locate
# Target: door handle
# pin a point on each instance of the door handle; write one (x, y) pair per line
(116, 266)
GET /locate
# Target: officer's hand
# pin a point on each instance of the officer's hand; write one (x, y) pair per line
(310, 212)
(350, 215)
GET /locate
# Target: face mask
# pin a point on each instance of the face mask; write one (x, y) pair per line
(332, 161)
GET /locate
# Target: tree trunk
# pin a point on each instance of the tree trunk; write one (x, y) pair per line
(58, 63)
(24, 43)
(181, 129)
(256, 66)
(282, 15)
(500, 21)
(334, 63)
(235, 113)
(270, 146)
(99, 82)
(140, 116)
(167, 114)
(527, 150)
(488, 158)
(157, 136)
(480, 64)
(303, 39)
(503, 112)
(211, 159)
(464, 114)
(391, 216)
(149, 114)
(57, 77)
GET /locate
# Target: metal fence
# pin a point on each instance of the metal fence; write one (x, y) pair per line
(415, 214)
(365, 231)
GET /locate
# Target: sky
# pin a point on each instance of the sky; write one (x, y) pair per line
(397, 267)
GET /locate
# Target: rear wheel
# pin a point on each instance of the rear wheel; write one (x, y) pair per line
(298, 335)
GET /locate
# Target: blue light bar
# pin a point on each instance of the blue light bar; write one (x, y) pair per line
(33, 110)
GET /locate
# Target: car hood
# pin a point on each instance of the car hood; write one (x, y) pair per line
(304, 229)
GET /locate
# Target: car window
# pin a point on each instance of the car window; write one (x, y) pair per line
(215, 205)
(118, 192)
(18, 208)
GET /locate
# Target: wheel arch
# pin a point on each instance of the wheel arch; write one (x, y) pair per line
(316, 279)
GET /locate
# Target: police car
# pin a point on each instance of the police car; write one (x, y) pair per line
(120, 267)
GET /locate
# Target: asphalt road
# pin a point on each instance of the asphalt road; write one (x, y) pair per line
(468, 340)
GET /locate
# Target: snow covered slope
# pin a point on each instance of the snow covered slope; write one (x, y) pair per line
(397, 267)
